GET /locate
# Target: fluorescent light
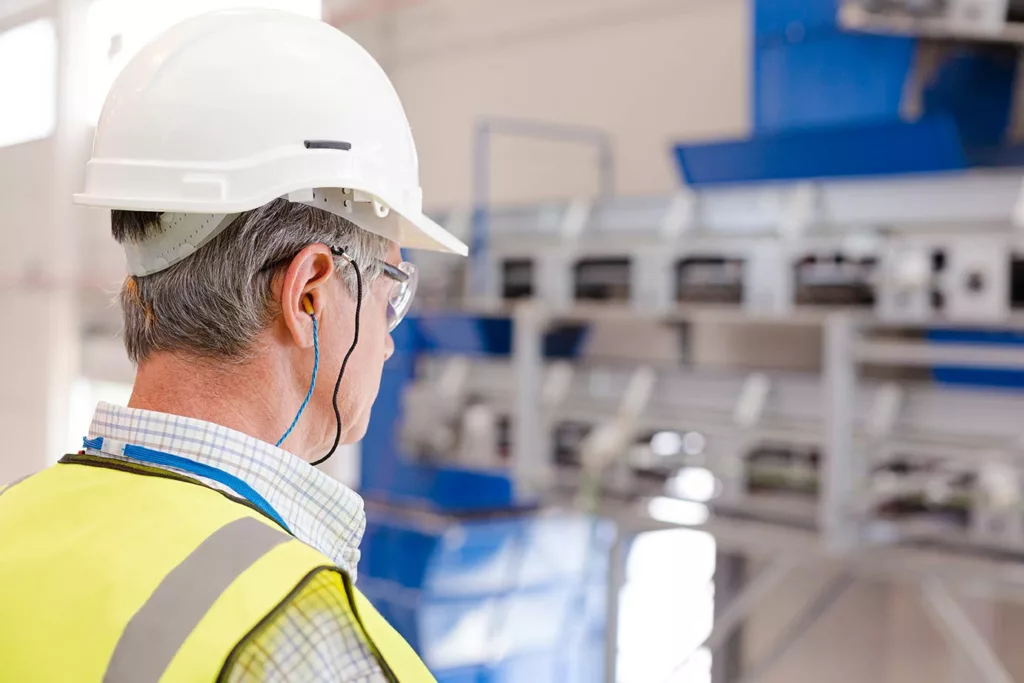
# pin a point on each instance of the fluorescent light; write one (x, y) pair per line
(673, 511)
(694, 443)
(694, 483)
(666, 444)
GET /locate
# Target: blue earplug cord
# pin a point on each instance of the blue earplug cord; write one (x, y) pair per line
(312, 383)
(344, 363)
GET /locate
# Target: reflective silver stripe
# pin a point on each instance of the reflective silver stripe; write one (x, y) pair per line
(160, 627)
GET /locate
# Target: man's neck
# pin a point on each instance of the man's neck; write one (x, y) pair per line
(198, 389)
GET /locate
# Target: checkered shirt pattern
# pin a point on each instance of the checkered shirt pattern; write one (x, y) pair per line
(276, 655)
(320, 510)
(314, 638)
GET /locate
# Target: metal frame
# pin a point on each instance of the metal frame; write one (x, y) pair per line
(740, 607)
(882, 417)
(961, 634)
(731, 575)
(490, 127)
(856, 420)
(857, 414)
(900, 222)
(616, 580)
(819, 603)
(989, 24)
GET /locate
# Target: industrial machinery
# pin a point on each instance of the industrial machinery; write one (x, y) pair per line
(756, 442)
(963, 19)
(875, 214)
(900, 437)
(919, 248)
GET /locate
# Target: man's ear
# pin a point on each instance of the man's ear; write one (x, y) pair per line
(300, 291)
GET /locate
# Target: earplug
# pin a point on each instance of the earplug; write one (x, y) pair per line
(307, 303)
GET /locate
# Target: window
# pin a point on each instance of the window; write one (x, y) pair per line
(667, 607)
(117, 29)
(28, 82)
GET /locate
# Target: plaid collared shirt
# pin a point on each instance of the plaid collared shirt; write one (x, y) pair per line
(314, 638)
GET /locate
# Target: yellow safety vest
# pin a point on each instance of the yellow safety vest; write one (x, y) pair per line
(107, 574)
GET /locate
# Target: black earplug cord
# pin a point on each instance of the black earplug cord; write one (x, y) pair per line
(344, 363)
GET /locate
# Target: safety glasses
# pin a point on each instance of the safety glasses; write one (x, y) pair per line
(403, 288)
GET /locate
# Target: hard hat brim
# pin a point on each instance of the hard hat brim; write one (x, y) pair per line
(409, 227)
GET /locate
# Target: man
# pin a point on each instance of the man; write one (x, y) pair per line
(262, 178)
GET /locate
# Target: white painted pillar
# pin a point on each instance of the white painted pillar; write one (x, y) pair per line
(39, 345)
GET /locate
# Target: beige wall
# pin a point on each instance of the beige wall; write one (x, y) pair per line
(649, 72)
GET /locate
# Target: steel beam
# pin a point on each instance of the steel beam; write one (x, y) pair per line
(737, 611)
(616, 580)
(730, 573)
(920, 354)
(820, 603)
(841, 474)
(531, 452)
(961, 633)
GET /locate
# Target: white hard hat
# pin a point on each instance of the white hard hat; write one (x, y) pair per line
(230, 110)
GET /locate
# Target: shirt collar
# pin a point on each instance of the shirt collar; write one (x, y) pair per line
(320, 510)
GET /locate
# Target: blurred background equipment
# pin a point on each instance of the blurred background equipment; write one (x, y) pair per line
(731, 388)
(996, 20)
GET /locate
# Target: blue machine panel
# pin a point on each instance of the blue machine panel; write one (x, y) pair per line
(828, 103)
(472, 336)
(976, 89)
(884, 148)
(582, 663)
(387, 474)
(774, 17)
(978, 377)
(504, 600)
(834, 80)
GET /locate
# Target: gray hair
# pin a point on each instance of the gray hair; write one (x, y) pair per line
(216, 302)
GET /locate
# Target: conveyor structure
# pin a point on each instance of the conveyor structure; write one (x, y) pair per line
(935, 465)
(913, 248)
(898, 453)
(911, 260)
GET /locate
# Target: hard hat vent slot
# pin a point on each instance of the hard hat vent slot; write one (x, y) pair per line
(328, 144)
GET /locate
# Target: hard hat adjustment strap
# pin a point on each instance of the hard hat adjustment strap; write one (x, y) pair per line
(180, 235)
